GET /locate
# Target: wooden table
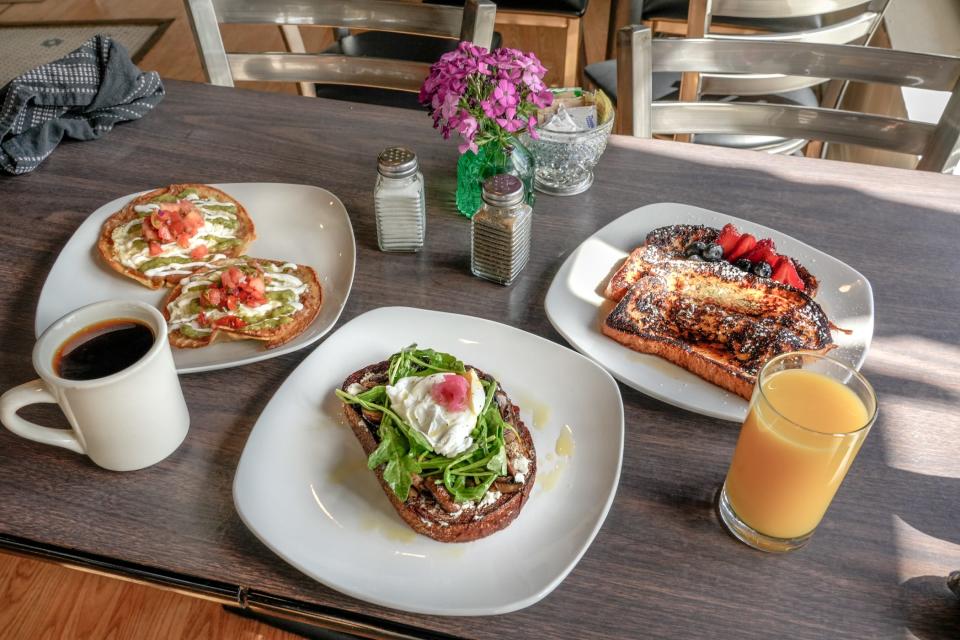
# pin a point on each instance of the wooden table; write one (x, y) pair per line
(662, 565)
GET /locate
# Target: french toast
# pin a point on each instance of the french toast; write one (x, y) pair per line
(716, 321)
(668, 243)
(428, 507)
(242, 299)
(163, 235)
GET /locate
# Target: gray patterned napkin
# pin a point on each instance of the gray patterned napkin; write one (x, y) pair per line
(80, 96)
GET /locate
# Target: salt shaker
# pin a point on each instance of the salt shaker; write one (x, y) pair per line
(399, 201)
(500, 242)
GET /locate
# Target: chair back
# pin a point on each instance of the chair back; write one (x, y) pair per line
(472, 22)
(639, 56)
(843, 22)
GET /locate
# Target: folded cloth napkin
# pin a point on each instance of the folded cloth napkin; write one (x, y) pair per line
(81, 96)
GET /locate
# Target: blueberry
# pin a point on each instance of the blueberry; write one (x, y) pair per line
(694, 248)
(712, 253)
(695, 257)
(743, 264)
(762, 269)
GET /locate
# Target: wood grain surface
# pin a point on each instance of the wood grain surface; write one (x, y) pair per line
(662, 565)
(43, 600)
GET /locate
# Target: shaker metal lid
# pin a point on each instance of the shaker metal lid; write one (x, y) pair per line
(503, 190)
(397, 162)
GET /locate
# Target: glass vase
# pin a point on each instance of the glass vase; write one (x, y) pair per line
(492, 159)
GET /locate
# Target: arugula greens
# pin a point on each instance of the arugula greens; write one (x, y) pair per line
(405, 451)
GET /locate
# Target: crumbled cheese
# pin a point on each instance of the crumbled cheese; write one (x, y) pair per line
(521, 465)
(489, 499)
(354, 389)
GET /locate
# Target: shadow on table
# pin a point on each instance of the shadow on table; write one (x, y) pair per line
(875, 578)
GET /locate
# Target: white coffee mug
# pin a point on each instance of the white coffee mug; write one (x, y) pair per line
(128, 420)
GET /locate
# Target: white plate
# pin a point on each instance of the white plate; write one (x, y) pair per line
(574, 299)
(295, 222)
(303, 488)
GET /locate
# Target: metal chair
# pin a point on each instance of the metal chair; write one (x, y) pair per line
(472, 22)
(820, 21)
(639, 56)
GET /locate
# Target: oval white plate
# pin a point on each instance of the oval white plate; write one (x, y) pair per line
(573, 305)
(303, 488)
(295, 222)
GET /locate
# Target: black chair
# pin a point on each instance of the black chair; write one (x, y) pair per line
(558, 14)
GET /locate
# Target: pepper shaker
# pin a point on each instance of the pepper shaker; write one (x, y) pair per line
(501, 231)
(399, 201)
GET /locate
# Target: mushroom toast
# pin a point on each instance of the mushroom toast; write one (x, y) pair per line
(445, 442)
(166, 234)
(242, 299)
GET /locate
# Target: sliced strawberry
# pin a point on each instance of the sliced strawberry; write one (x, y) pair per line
(763, 251)
(199, 252)
(786, 273)
(154, 248)
(744, 245)
(775, 261)
(728, 237)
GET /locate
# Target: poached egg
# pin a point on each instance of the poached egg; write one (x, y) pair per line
(442, 408)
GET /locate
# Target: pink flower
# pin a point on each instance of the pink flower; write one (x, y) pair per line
(484, 96)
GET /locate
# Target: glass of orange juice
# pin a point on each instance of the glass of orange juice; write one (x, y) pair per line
(808, 416)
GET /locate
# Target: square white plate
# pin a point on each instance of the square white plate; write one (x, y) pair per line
(303, 488)
(574, 299)
(294, 222)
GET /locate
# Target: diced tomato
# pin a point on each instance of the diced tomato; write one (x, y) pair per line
(183, 240)
(256, 284)
(231, 278)
(231, 322)
(165, 234)
(148, 231)
(211, 297)
(232, 302)
(192, 220)
(154, 248)
(199, 252)
(202, 319)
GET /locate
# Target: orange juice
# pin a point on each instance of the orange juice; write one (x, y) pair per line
(803, 431)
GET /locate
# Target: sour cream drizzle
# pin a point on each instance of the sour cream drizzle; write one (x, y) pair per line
(276, 278)
(212, 232)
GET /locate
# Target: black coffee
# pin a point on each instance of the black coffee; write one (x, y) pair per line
(102, 349)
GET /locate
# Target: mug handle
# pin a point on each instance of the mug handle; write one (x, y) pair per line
(34, 392)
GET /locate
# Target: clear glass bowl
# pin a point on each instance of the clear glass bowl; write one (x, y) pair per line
(565, 161)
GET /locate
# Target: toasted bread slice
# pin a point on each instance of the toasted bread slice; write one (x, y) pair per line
(297, 285)
(668, 243)
(429, 509)
(226, 233)
(716, 321)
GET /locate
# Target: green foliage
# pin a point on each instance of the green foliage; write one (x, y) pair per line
(405, 451)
